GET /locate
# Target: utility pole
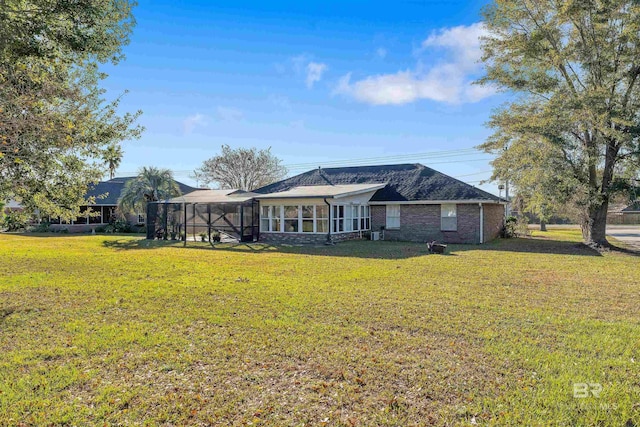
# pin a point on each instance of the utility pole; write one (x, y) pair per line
(506, 196)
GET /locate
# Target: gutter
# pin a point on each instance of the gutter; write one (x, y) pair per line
(329, 239)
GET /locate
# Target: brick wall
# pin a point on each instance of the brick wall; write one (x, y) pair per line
(421, 223)
(306, 239)
(493, 221)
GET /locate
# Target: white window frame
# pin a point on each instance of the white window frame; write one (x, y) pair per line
(448, 211)
(392, 217)
(276, 212)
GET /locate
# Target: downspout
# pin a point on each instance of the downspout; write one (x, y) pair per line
(329, 239)
(481, 223)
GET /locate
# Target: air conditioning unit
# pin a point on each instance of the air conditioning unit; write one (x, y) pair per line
(375, 235)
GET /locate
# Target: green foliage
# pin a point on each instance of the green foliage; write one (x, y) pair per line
(16, 220)
(242, 168)
(118, 226)
(510, 226)
(574, 126)
(114, 330)
(112, 157)
(151, 184)
(55, 124)
(42, 227)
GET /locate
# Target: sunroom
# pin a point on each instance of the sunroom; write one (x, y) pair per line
(316, 213)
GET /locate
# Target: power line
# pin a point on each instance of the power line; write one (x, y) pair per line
(472, 174)
(369, 160)
(398, 157)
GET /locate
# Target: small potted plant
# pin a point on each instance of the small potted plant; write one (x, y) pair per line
(203, 237)
(215, 237)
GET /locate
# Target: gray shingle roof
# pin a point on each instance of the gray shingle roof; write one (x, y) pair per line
(113, 187)
(405, 182)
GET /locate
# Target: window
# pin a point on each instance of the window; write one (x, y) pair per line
(322, 219)
(338, 218)
(355, 210)
(93, 218)
(307, 218)
(82, 219)
(393, 216)
(291, 224)
(348, 218)
(108, 214)
(365, 219)
(265, 218)
(448, 218)
(270, 218)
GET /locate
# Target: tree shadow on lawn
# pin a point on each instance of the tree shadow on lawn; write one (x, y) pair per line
(370, 249)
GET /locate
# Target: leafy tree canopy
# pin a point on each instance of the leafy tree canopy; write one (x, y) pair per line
(55, 125)
(573, 129)
(241, 168)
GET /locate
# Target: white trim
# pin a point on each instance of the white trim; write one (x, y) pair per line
(355, 193)
(481, 223)
(436, 202)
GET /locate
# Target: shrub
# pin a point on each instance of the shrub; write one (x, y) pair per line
(509, 229)
(15, 221)
(43, 227)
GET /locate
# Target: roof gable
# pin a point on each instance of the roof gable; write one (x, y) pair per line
(405, 182)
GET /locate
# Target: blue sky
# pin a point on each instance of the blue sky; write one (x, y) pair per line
(318, 82)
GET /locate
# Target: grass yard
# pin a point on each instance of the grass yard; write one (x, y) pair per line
(114, 330)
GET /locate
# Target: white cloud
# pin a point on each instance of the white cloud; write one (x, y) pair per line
(304, 66)
(381, 53)
(448, 80)
(228, 114)
(314, 73)
(193, 121)
(463, 42)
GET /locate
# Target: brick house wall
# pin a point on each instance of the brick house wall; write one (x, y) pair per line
(421, 223)
(493, 221)
(307, 238)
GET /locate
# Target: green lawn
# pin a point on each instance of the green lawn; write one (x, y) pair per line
(114, 330)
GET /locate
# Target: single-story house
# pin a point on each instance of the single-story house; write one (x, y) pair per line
(106, 194)
(624, 214)
(408, 202)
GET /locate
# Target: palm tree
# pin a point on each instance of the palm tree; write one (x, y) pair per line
(112, 157)
(151, 184)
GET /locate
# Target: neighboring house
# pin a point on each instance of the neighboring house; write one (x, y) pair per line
(621, 214)
(106, 194)
(409, 202)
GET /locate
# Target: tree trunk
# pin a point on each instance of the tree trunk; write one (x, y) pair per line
(595, 230)
(543, 225)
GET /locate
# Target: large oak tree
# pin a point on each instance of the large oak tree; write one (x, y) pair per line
(574, 66)
(55, 125)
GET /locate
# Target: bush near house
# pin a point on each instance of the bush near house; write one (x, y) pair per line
(107, 330)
